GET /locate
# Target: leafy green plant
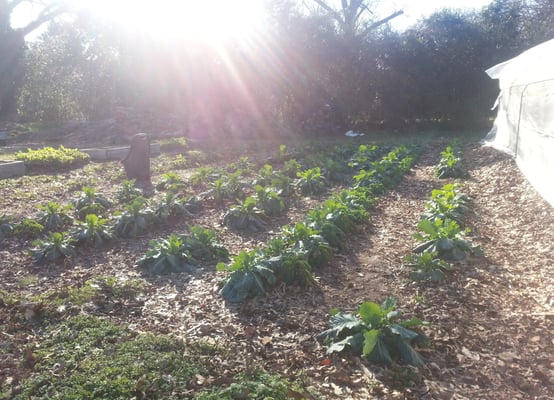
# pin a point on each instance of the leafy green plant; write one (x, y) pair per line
(202, 244)
(265, 175)
(269, 201)
(202, 175)
(307, 242)
(450, 164)
(28, 228)
(53, 216)
(311, 181)
(250, 275)
(427, 266)
(334, 170)
(6, 226)
(346, 218)
(445, 238)
(446, 203)
(291, 168)
(58, 245)
(245, 216)
(171, 181)
(178, 162)
(374, 333)
(136, 218)
(363, 157)
(128, 191)
(94, 230)
(170, 208)
(369, 180)
(90, 202)
(167, 256)
(51, 158)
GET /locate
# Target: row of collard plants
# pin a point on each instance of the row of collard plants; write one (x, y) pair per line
(293, 255)
(376, 331)
(86, 221)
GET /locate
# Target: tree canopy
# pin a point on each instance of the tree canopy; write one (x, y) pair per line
(318, 67)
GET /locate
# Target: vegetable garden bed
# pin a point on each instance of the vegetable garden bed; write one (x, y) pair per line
(489, 318)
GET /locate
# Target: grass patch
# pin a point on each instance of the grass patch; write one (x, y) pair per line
(92, 358)
(258, 385)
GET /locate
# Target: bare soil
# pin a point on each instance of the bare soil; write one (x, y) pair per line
(491, 320)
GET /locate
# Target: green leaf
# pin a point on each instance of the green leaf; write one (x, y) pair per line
(427, 226)
(371, 314)
(380, 352)
(404, 333)
(370, 341)
(354, 342)
(408, 354)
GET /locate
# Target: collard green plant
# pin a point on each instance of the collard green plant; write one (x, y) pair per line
(369, 180)
(307, 242)
(6, 226)
(311, 181)
(427, 267)
(374, 333)
(57, 246)
(167, 256)
(171, 181)
(291, 168)
(28, 228)
(269, 201)
(446, 203)
(245, 216)
(450, 164)
(94, 230)
(135, 220)
(170, 208)
(202, 244)
(54, 216)
(128, 191)
(363, 157)
(265, 175)
(445, 238)
(202, 176)
(250, 275)
(90, 202)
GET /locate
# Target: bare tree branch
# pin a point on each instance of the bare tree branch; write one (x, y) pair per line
(47, 14)
(381, 22)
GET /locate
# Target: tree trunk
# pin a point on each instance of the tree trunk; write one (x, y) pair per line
(137, 162)
(12, 48)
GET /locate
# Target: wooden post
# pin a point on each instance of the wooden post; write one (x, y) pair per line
(137, 162)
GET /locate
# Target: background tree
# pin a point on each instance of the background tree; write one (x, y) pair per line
(12, 47)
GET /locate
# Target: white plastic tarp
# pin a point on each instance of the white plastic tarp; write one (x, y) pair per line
(524, 126)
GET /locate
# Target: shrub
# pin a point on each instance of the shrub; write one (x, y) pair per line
(51, 158)
(374, 333)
